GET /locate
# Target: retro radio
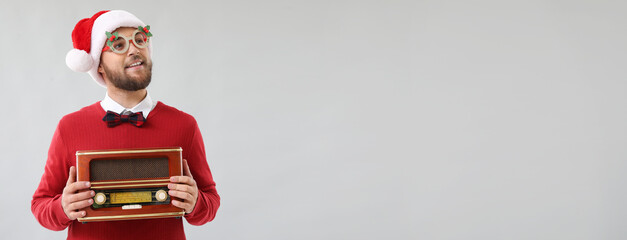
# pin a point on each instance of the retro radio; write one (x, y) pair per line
(129, 183)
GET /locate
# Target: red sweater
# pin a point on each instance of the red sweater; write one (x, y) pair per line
(84, 130)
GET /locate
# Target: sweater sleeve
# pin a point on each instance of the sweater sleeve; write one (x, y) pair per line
(208, 198)
(46, 203)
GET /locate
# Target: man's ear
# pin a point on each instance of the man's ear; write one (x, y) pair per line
(102, 73)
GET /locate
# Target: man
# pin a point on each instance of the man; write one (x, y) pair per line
(114, 48)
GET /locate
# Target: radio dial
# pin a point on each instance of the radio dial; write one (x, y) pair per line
(161, 195)
(100, 198)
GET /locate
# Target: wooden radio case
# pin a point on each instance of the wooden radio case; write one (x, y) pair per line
(129, 183)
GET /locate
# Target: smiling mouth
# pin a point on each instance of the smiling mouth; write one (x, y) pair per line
(135, 64)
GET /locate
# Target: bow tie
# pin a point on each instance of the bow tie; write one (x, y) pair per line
(113, 119)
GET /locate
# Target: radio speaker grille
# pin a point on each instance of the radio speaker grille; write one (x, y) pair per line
(120, 169)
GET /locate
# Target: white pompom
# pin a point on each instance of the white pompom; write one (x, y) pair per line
(78, 60)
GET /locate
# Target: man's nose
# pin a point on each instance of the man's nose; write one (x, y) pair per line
(132, 49)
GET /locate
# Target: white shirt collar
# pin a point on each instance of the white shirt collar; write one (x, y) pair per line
(145, 106)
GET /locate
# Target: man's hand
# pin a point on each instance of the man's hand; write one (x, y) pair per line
(184, 187)
(73, 199)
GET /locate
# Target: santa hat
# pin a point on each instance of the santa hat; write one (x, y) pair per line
(89, 38)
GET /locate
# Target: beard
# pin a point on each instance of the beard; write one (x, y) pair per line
(123, 81)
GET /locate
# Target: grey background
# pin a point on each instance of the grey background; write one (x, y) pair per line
(357, 119)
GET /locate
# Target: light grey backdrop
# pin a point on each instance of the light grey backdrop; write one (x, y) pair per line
(357, 119)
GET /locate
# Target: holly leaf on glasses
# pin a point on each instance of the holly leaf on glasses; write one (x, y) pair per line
(146, 30)
(111, 37)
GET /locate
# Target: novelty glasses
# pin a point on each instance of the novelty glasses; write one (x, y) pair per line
(120, 44)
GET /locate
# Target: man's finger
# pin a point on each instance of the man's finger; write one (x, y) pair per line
(182, 195)
(81, 196)
(184, 205)
(80, 204)
(73, 187)
(180, 187)
(71, 176)
(183, 179)
(186, 171)
(75, 215)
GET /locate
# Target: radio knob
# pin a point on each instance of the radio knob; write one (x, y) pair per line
(100, 198)
(161, 195)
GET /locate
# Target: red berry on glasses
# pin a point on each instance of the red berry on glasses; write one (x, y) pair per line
(145, 30)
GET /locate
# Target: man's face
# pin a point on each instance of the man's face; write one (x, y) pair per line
(130, 71)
